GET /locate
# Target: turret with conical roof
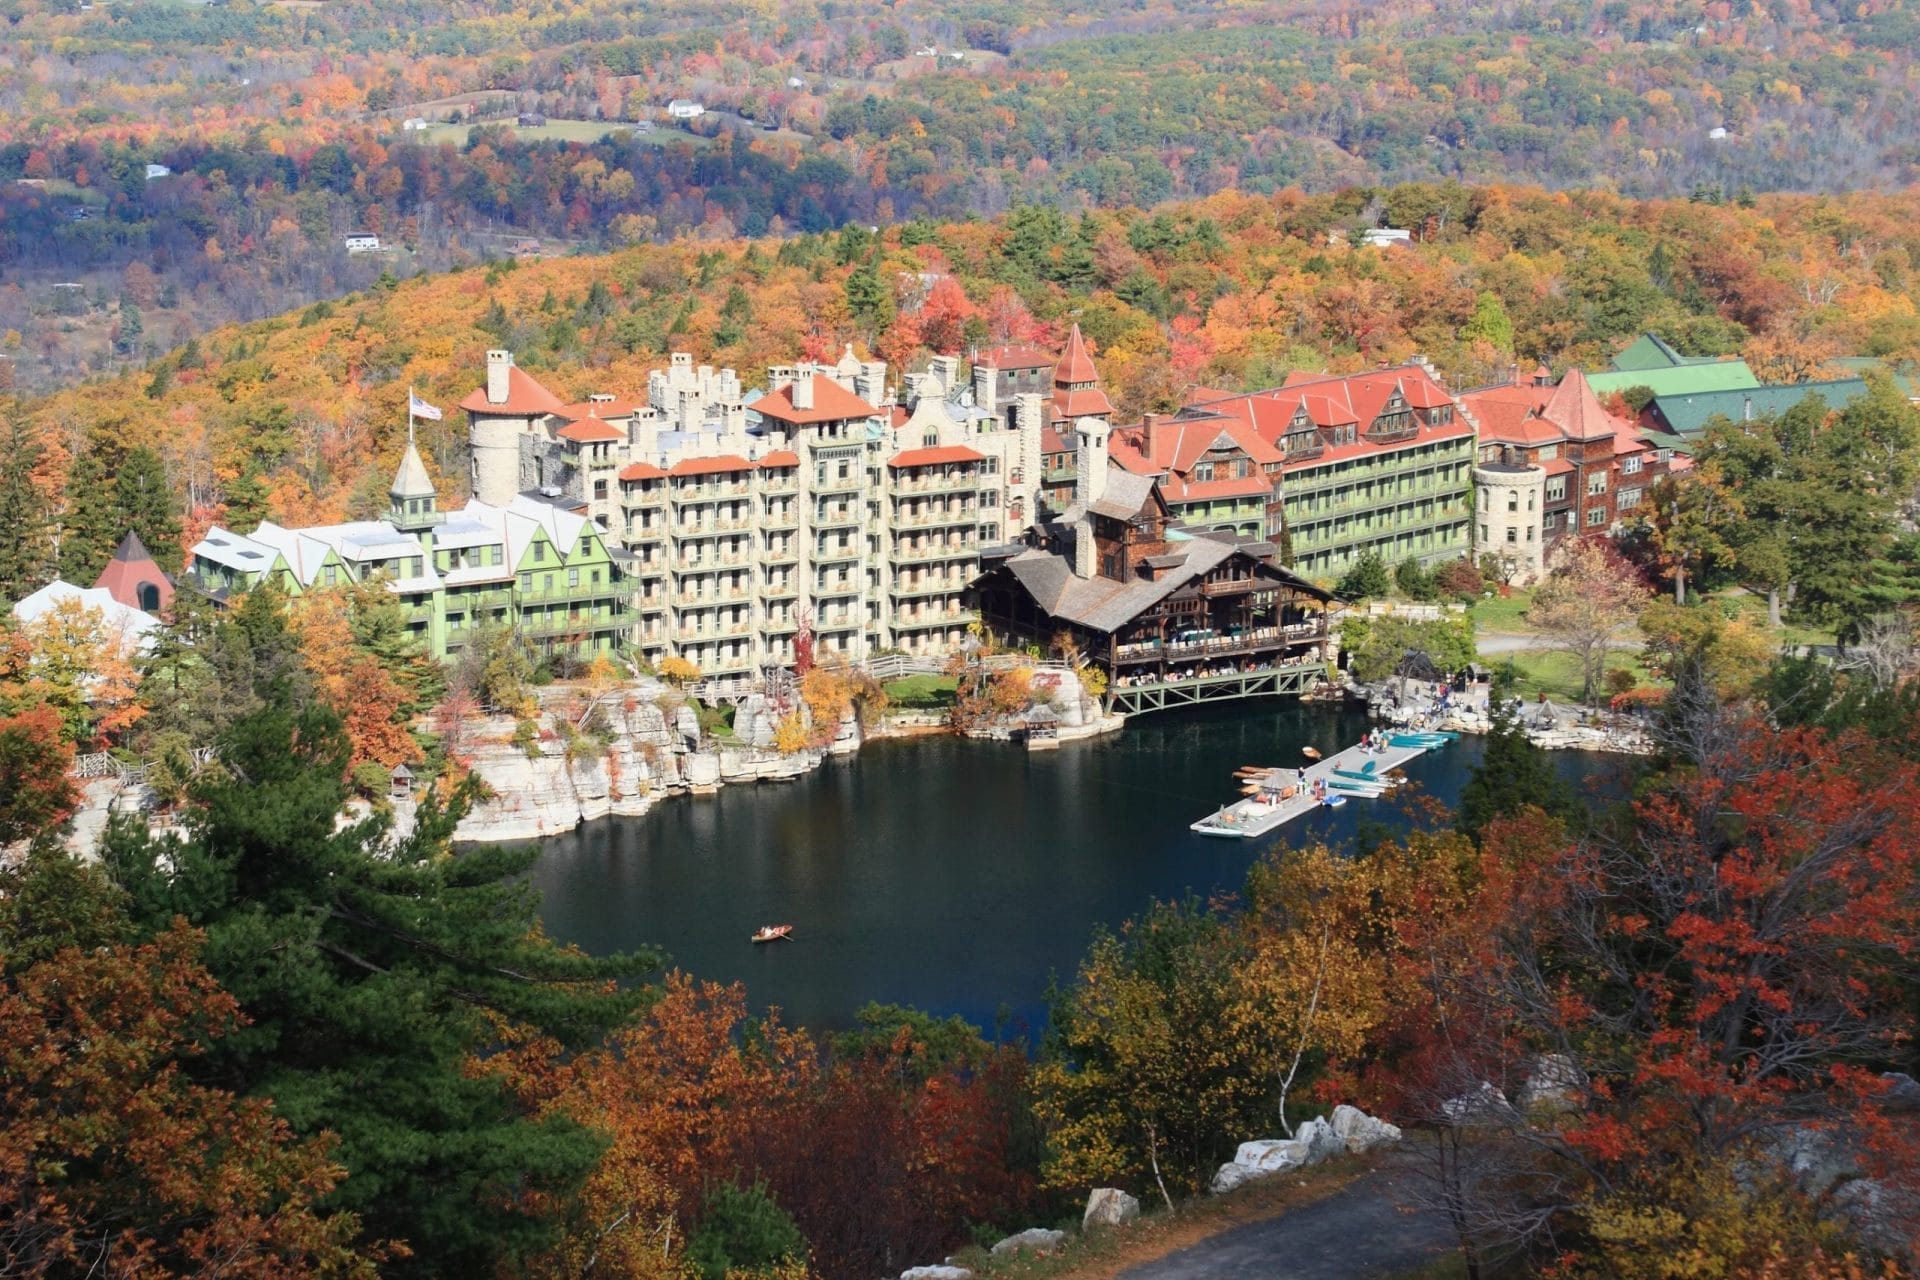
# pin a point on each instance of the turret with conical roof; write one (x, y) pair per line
(413, 505)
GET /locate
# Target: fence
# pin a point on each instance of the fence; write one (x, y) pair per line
(103, 764)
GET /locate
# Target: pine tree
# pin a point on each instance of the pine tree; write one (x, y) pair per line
(144, 501)
(89, 527)
(246, 500)
(374, 972)
(26, 552)
(868, 296)
(1512, 775)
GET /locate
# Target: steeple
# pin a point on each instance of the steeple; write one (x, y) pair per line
(1075, 370)
(413, 506)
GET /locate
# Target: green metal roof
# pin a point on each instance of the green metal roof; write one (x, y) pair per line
(1686, 379)
(1651, 351)
(1688, 414)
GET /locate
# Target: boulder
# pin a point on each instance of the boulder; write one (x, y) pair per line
(1318, 1140)
(1233, 1176)
(1903, 1091)
(1110, 1207)
(1032, 1240)
(1554, 1081)
(1482, 1105)
(936, 1273)
(1270, 1155)
(1360, 1131)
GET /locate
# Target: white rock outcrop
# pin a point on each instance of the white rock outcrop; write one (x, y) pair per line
(1032, 1240)
(1349, 1130)
(1362, 1132)
(936, 1273)
(1110, 1207)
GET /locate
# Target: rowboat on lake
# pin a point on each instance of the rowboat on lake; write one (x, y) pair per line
(772, 932)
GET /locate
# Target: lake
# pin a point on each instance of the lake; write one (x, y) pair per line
(950, 874)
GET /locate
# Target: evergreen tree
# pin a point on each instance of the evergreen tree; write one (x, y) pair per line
(1512, 775)
(246, 500)
(144, 501)
(89, 527)
(374, 972)
(26, 552)
(868, 296)
(1366, 579)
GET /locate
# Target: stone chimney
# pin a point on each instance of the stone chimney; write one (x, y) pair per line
(498, 362)
(870, 384)
(1091, 460)
(947, 370)
(803, 388)
(983, 388)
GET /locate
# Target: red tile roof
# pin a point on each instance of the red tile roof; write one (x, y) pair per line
(1576, 410)
(780, 458)
(831, 403)
(526, 398)
(641, 471)
(1014, 357)
(1076, 365)
(1356, 399)
(1090, 402)
(1254, 486)
(130, 569)
(606, 409)
(1557, 467)
(1510, 414)
(1179, 444)
(590, 431)
(710, 466)
(935, 456)
(1051, 441)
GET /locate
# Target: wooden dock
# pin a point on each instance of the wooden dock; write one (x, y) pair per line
(1286, 794)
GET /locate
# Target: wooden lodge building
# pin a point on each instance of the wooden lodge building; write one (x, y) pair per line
(1172, 616)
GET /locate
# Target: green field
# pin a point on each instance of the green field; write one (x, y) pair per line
(1502, 616)
(921, 693)
(562, 131)
(1557, 673)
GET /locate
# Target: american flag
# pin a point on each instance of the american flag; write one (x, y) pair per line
(418, 408)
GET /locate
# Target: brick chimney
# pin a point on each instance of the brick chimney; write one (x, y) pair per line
(498, 362)
(1149, 435)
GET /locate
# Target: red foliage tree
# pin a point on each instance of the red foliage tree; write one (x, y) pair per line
(35, 793)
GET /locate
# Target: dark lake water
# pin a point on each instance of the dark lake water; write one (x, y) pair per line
(949, 874)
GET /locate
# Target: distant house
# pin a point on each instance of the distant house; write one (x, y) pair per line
(795, 82)
(531, 119)
(133, 579)
(1384, 237)
(928, 52)
(526, 248)
(363, 242)
(685, 109)
(157, 171)
(412, 124)
(643, 126)
(80, 213)
(1718, 132)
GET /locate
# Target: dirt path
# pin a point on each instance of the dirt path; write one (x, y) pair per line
(1357, 1233)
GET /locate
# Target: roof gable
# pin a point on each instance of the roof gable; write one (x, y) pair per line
(831, 403)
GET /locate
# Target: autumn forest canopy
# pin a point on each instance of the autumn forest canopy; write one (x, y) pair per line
(279, 129)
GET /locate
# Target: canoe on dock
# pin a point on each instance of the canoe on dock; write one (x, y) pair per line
(1367, 775)
(1274, 797)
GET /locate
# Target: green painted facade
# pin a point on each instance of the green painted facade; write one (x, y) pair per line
(1414, 502)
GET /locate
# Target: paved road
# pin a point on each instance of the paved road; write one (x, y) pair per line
(1358, 1233)
(1512, 642)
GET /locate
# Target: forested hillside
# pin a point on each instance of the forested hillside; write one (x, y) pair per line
(302, 417)
(282, 128)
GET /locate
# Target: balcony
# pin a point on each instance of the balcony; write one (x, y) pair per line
(692, 494)
(931, 618)
(701, 528)
(783, 518)
(832, 554)
(840, 518)
(779, 589)
(936, 484)
(711, 564)
(837, 589)
(694, 599)
(929, 586)
(935, 519)
(785, 553)
(910, 553)
(693, 635)
(1257, 640)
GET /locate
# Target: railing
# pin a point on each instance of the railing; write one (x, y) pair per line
(1133, 699)
(935, 519)
(1230, 587)
(1246, 641)
(104, 764)
(942, 551)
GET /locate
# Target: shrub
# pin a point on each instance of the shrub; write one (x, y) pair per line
(1413, 580)
(1366, 580)
(1461, 578)
(742, 1229)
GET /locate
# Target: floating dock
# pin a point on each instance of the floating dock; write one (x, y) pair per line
(1282, 796)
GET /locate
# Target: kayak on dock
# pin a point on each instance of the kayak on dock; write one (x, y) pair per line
(1370, 790)
(1367, 775)
(1333, 802)
(1421, 739)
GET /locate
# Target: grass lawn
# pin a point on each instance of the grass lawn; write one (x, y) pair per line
(921, 693)
(1501, 615)
(1754, 609)
(716, 721)
(1557, 674)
